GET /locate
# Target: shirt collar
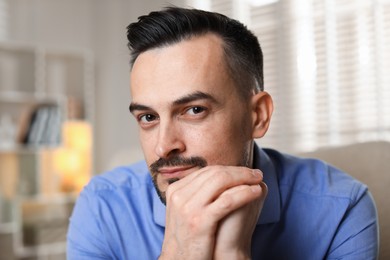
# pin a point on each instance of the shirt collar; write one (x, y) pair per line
(271, 208)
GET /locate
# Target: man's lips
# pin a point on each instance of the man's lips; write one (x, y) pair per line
(175, 172)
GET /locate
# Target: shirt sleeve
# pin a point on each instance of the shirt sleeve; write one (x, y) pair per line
(357, 236)
(85, 240)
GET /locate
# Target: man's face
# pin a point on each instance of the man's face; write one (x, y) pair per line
(188, 110)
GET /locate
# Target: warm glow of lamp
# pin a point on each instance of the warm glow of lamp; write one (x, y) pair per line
(73, 160)
(67, 160)
(77, 134)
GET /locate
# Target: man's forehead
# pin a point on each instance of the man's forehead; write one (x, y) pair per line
(188, 66)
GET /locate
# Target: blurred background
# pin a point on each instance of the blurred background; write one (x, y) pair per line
(64, 94)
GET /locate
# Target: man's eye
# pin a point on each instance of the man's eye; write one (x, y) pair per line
(147, 118)
(195, 110)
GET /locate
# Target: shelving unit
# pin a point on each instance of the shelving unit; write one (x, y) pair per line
(33, 210)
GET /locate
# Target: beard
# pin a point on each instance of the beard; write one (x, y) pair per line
(175, 160)
(196, 161)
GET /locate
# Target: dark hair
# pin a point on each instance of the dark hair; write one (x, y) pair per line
(242, 50)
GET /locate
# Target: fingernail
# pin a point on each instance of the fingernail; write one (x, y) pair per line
(256, 188)
(257, 173)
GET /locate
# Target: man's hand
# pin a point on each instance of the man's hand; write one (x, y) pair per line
(234, 235)
(197, 203)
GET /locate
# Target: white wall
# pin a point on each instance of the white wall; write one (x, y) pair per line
(100, 26)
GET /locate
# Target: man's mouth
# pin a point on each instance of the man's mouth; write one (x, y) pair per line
(176, 167)
(173, 169)
(176, 172)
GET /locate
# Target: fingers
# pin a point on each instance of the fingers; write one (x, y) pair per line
(197, 203)
(264, 189)
(236, 198)
(218, 189)
(206, 184)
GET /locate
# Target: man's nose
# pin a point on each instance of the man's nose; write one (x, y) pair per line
(170, 140)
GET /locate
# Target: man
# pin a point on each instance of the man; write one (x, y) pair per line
(206, 190)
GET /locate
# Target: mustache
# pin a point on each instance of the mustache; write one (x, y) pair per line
(177, 161)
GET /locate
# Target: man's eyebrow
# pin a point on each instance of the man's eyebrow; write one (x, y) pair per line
(198, 95)
(135, 106)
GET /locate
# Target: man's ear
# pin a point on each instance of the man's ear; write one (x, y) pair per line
(262, 108)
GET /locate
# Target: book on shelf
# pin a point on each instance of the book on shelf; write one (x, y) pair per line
(44, 126)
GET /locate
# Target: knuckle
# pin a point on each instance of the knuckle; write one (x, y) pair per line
(174, 196)
(222, 176)
(226, 202)
(186, 210)
(194, 223)
(218, 180)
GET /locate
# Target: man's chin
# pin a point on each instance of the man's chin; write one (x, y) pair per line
(172, 180)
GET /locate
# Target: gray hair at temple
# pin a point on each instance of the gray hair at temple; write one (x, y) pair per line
(242, 51)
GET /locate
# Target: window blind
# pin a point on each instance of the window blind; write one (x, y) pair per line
(3, 19)
(326, 65)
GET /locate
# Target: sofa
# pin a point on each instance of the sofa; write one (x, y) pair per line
(368, 162)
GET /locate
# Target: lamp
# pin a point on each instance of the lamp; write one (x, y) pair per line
(73, 160)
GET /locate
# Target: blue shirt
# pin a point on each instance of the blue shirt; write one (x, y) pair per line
(312, 211)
